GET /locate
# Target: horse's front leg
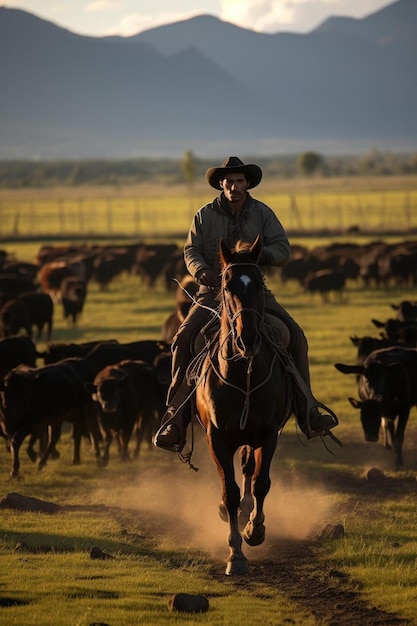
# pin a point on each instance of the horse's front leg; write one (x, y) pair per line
(388, 429)
(247, 464)
(254, 531)
(236, 563)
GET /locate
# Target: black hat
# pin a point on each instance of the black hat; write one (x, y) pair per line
(231, 165)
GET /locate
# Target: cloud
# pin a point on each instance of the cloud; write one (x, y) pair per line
(131, 25)
(135, 23)
(300, 15)
(99, 6)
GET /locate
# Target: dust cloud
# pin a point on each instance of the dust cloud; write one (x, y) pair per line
(183, 507)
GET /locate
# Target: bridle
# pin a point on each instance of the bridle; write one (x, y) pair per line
(231, 315)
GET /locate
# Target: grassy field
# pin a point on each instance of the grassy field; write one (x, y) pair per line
(303, 205)
(159, 520)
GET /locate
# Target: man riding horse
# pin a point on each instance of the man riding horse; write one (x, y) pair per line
(233, 216)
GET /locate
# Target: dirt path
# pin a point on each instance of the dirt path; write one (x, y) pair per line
(295, 567)
(327, 594)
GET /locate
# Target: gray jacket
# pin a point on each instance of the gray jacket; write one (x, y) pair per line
(215, 220)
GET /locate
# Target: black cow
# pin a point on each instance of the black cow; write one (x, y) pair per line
(73, 294)
(32, 399)
(387, 390)
(396, 329)
(296, 269)
(406, 310)
(26, 311)
(366, 345)
(152, 261)
(325, 281)
(58, 351)
(17, 350)
(49, 253)
(51, 276)
(13, 285)
(22, 268)
(125, 396)
(108, 354)
(106, 267)
(185, 292)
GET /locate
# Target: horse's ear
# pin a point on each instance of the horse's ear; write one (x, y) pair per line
(256, 248)
(225, 254)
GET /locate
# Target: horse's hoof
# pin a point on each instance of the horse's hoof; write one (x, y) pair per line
(254, 535)
(237, 567)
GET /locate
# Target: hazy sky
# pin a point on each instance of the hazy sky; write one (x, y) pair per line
(128, 17)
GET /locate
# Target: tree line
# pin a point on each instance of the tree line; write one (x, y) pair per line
(73, 173)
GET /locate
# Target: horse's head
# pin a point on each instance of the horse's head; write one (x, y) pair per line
(242, 292)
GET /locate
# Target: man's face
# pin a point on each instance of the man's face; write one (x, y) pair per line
(234, 187)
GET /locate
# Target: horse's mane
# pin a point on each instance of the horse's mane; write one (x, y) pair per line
(241, 246)
(241, 251)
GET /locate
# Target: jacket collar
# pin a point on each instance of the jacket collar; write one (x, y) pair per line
(222, 205)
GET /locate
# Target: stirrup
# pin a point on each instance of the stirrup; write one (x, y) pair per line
(177, 446)
(311, 403)
(325, 430)
(177, 443)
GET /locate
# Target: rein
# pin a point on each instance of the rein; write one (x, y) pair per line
(231, 319)
(248, 391)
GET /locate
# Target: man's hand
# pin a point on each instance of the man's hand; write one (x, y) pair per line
(208, 278)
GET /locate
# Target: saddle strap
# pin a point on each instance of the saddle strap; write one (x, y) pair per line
(312, 402)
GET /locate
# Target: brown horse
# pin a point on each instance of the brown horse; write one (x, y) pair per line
(243, 398)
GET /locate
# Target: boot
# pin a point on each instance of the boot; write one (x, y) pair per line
(305, 406)
(171, 435)
(319, 424)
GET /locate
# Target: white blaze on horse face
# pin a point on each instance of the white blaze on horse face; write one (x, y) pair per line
(245, 280)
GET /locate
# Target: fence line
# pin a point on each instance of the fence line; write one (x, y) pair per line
(134, 216)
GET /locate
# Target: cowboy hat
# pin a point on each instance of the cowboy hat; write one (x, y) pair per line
(230, 166)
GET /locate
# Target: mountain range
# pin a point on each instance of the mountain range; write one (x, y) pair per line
(209, 86)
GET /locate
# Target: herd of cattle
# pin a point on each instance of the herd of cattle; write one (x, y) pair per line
(109, 390)
(29, 292)
(386, 376)
(330, 268)
(105, 389)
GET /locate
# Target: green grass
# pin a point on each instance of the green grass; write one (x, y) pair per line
(369, 204)
(57, 579)
(159, 519)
